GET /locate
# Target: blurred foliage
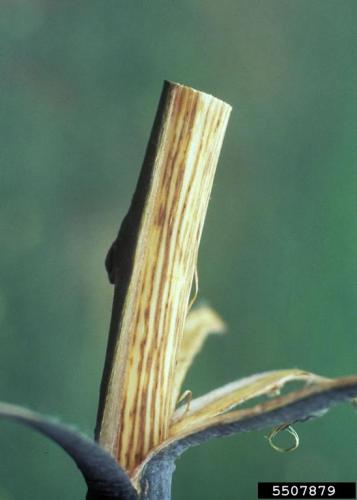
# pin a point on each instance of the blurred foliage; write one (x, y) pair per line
(79, 86)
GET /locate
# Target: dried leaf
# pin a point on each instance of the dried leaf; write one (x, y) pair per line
(323, 393)
(200, 323)
(228, 396)
(297, 406)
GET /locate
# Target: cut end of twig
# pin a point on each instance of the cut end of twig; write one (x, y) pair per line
(177, 85)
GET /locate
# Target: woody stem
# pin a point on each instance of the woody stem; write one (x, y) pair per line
(152, 265)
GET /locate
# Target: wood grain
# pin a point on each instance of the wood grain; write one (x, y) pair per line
(151, 299)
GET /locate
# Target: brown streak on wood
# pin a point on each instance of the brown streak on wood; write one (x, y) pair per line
(150, 303)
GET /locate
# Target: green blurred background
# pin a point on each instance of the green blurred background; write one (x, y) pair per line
(79, 86)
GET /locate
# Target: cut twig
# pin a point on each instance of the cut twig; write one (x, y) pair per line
(152, 265)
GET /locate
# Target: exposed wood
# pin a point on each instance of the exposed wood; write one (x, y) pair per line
(154, 263)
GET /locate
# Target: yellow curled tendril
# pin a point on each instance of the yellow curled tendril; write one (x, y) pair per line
(277, 430)
(192, 301)
(187, 397)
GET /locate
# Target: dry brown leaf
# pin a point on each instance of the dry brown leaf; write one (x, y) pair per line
(228, 396)
(319, 386)
(297, 406)
(200, 323)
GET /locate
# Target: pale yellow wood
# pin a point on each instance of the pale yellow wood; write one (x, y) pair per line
(137, 396)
